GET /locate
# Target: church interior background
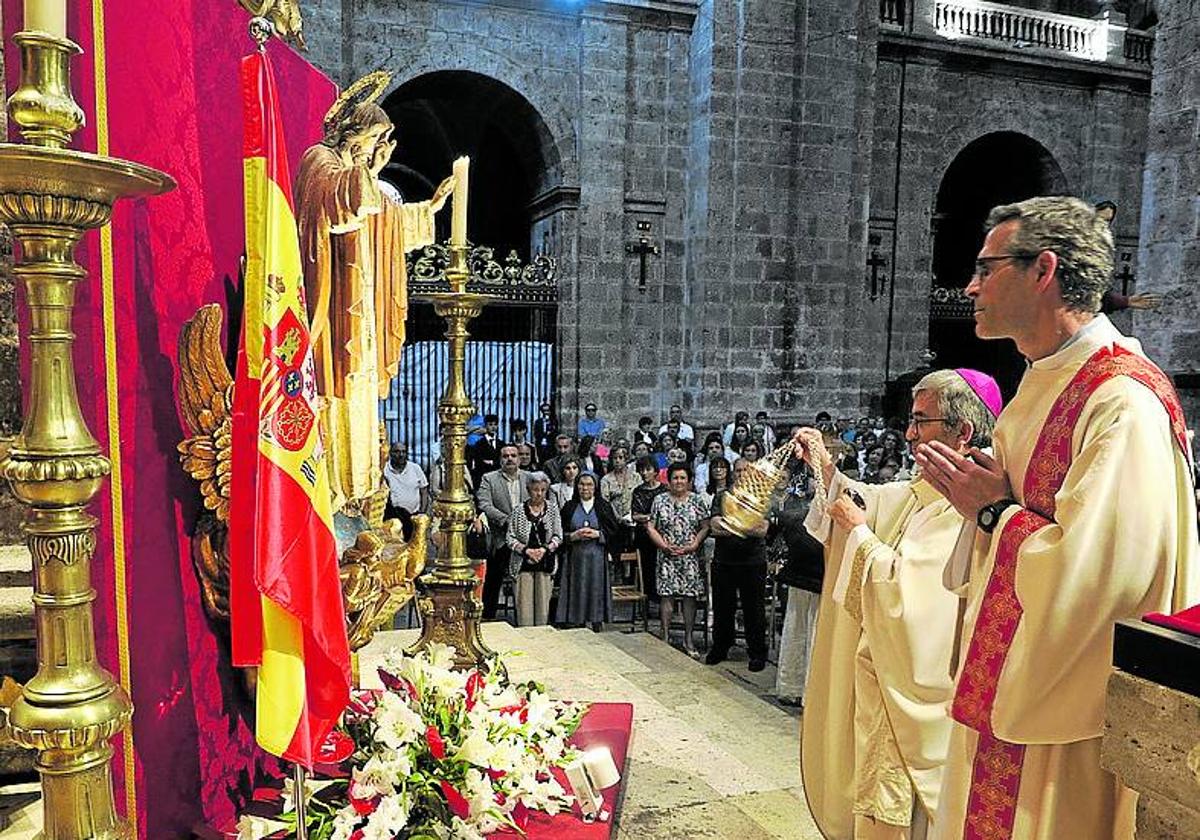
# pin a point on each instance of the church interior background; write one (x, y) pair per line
(748, 204)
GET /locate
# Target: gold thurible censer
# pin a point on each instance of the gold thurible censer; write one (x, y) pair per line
(450, 611)
(49, 197)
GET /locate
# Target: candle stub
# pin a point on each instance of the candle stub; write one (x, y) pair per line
(49, 16)
(600, 767)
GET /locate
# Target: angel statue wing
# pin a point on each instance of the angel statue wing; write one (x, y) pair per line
(206, 400)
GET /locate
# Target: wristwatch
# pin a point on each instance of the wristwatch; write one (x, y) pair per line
(989, 515)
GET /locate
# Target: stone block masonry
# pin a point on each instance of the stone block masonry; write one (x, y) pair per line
(766, 146)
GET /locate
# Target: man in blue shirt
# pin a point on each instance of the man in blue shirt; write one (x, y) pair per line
(590, 425)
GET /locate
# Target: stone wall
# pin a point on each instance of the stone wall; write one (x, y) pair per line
(1170, 246)
(757, 141)
(933, 100)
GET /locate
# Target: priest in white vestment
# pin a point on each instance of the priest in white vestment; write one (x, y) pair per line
(1085, 516)
(875, 725)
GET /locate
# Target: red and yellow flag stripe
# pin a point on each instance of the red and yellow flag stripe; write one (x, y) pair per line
(285, 600)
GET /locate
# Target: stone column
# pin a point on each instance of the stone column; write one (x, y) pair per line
(1169, 256)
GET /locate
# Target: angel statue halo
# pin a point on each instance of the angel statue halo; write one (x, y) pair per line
(367, 89)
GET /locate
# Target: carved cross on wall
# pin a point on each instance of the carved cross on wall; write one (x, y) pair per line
(1126, 276)
(641, 250)
(875, 263)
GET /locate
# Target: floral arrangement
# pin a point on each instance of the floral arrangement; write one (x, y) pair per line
(439, 754)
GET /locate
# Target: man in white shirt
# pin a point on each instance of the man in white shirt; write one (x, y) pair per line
(408, 489)
(686, 432)
(768, 431)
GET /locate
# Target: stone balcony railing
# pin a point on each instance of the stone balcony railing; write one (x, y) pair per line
(1105, 38)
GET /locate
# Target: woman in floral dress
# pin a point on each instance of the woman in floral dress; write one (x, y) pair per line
(678, 525)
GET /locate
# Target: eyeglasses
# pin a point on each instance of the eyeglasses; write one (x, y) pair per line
(983, 267)
(914, 420)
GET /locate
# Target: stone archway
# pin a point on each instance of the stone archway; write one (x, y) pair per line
(515, 162)
(443, 114)
(994, 169)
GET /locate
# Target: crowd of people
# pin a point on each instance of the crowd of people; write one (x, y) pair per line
(556, 509)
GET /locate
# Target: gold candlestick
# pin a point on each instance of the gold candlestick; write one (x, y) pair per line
(450, 611)
(49, 196)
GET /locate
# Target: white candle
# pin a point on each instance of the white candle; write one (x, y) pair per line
(49, 16)
(601, 768)
(458, 213)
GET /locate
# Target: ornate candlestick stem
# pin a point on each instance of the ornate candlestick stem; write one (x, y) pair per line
(49, 197)
(451, 613)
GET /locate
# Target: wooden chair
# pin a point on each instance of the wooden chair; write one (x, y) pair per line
(633, 594)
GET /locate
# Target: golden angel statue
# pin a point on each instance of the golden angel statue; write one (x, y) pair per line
(354, 232)
(378, 572)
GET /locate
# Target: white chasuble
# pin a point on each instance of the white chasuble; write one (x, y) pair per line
(875, 724)
(1105, 530)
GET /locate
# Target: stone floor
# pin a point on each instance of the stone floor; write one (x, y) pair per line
(712, 755)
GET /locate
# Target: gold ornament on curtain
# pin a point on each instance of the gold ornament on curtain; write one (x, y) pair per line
(284, 16)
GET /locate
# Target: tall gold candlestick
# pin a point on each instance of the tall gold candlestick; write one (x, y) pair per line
(450, 612)
(49, 197)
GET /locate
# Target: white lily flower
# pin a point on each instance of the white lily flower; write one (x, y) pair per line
(345, 822)
(463, 830)
(440, 655)
(388, 819)
(256, 828)
(312, 786)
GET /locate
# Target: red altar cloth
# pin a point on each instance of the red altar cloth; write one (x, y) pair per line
(1187, 621)
(604, 725)
(158, 82)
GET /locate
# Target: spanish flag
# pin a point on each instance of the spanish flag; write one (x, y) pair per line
(286, 609)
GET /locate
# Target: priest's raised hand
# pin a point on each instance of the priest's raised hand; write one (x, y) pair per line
(970, 482)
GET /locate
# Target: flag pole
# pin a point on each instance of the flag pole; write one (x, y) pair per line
(300, 792)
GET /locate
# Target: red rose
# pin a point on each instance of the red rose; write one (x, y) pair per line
(366, 807)
(520, 815)
(437, 744)
(474, 683)
(336, 748)
(457, 802)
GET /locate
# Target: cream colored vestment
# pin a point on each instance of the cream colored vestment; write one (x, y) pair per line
(1123, 544)
(875, 724)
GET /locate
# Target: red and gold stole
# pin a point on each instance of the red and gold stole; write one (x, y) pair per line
(996, 776)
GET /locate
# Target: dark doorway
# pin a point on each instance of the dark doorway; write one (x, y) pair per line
(440, 116)
(511, 355)
(994, 169)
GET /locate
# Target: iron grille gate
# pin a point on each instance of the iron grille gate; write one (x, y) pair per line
(511, 359)
(509, 376)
